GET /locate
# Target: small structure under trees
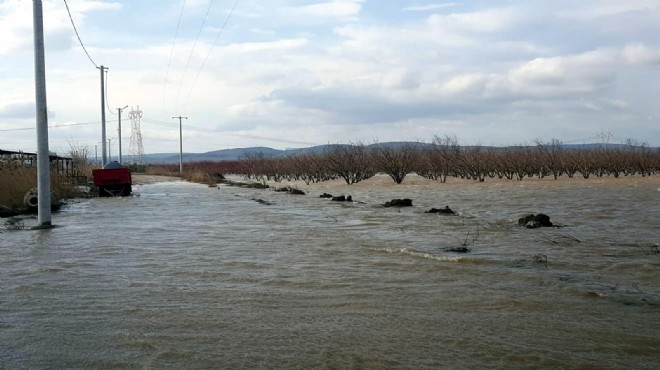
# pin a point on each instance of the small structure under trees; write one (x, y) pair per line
(61, 165)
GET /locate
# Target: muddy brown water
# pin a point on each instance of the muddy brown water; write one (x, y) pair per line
(187, 276)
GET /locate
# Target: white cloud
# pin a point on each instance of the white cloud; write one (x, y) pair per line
(489, 20)
(16, 20)
(424, 8)
(81, 7)
(333, 9)
(261, 31)
(17, 109)
(466, 84)
(324, 71)
(581, 73)
(640, 54)
(279, 45)
(592, 9)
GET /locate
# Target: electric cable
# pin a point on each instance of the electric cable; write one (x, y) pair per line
(208, 130)
(217, 37)
(78, 35)
(54, 126)
(169, 61)
(107, 105)
(183, 77)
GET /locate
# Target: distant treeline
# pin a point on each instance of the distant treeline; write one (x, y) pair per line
(444, 158)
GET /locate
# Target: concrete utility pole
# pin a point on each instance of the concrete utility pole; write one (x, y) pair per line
(180, 144)
(119, 133)
(43, 154)
(103, 139)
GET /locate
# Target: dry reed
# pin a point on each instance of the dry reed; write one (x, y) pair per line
(17, 180)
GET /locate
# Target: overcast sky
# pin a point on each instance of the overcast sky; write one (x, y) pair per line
(296, 73)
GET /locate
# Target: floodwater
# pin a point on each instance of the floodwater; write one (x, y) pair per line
(187, 276)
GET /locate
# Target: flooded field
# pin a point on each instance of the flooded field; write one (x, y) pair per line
(186, 276)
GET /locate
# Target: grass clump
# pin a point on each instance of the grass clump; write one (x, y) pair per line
(17, 180)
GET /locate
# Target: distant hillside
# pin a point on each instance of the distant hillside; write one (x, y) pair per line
(237, 153)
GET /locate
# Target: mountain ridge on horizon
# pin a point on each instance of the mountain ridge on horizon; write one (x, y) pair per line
(236, 153)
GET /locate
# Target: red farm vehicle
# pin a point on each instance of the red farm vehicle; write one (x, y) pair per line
(113, 180)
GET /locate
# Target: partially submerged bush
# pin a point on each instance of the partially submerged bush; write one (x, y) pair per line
(17, 180)
(14, 224)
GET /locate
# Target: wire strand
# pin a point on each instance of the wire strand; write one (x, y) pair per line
(183, 77)
(54, 126)
(169, 61)
(217, 37)
(107, 105)
(78, 35)
(225, 133)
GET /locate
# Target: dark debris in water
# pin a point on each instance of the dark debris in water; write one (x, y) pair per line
(541, 258)
(442, 211)
(250, 185)
(15, 223)
(460, 249)
(261, 201)
(290, 190)
(406, 202)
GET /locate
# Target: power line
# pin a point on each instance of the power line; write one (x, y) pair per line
(54, 126)
(217, 37)
(78, 35)
(107, 105)
(201, 28)
(169, 61)
(226, 133)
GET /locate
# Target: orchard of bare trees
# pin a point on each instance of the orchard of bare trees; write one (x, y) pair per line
(444, 158)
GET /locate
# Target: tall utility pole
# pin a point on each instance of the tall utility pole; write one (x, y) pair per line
(180, 144)
(119, 133)
(43, 155)
(103, 139)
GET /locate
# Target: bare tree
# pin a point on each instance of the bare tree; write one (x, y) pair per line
(255, 166)
(551, 155)
(81, 168)
(641, 157)
(349, 161)
(309, 168)
(444, 157)
(396, 160)
(475, 162)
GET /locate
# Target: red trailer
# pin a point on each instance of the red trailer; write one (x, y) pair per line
(113, 180)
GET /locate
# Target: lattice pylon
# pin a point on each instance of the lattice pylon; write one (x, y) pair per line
(136, 149)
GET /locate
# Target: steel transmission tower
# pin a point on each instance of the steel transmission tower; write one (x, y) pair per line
(135, 146)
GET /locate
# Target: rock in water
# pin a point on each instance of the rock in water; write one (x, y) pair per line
(443, 211)
(532, 221)
(399, 203)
